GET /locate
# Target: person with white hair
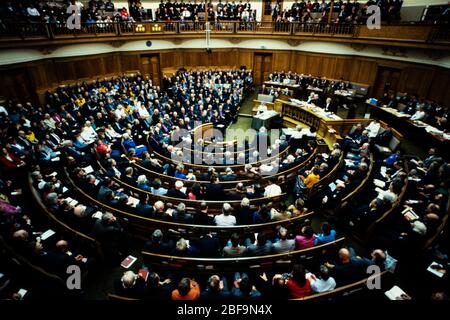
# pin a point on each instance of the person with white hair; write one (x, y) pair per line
(142, 183)
(225, 218)
(177, 192)
(128, 143)
(88, 133)
(229, 175)
(131, 285)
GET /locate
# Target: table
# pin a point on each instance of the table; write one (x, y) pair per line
(266, 119)
(421, 133)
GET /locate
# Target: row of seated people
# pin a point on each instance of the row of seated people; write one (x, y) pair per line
(123, 108)
(292, 78)
(51, 11)
(260, 153)
(246, 245)
(333, 270)
(24, 231)
(193, 11)
(348, 11)
(112, 194)
(418, 109)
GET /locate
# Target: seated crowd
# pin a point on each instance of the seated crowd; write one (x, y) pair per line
(96, 12)
(193, 11)
(347, 11)
(127, 120)
(418, 109)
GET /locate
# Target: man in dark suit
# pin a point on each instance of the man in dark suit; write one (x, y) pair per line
(129, 178)
(202, 217)
(176, 192)
(330, 106)
(157, 244)
(214, 190)
(180, 214)
(229, 175)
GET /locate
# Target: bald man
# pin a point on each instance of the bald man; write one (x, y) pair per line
(349, 269)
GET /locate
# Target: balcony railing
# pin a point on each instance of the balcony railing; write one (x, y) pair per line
(414, 33)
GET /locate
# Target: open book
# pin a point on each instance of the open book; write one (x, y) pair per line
(88, 169)
(409, 214)
(71, 201)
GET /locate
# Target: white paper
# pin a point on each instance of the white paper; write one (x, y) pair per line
(434, 271)
(22, 293)
(47, 234)
(97, 215)
(395, 293)
(379, 183)
(88, 169)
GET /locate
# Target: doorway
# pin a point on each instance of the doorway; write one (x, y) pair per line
(150, 67)
(387, 80)
(262, 66)
(268, 6)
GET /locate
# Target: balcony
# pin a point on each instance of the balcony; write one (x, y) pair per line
(405, 34)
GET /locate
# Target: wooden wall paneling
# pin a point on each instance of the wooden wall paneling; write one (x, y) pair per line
(439, 87)
(281, 61)
(245, 58)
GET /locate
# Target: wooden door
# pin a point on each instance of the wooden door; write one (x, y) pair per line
(150, 67)
(267, 6)
(262, 66)
(387, 80)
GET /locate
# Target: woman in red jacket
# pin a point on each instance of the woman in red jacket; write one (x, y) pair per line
(9, 162)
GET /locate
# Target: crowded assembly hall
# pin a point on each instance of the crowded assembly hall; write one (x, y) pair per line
(224, 151)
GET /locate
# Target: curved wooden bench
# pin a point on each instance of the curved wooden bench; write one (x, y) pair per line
(146, 225)
(257, 262)
(227, 184)
(219, 167)
(352, 195)
(115, 297)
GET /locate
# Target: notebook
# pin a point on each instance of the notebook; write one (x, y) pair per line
(396, 294)
(437, 269)
(128, 261)
(47, 234)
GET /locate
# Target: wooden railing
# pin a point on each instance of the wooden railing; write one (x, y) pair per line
(404, 32)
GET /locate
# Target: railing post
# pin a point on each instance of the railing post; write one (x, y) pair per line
(235, 26)
(49, 31)
(177, 27)
(117, 28)
(291, 28)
